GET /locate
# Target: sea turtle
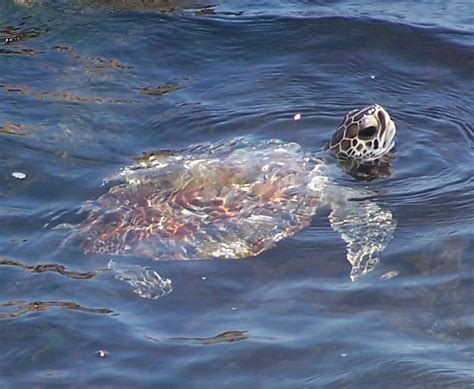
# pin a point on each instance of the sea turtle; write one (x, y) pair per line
(235, 199)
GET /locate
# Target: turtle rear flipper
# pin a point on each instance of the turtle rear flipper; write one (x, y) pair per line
(146, 282)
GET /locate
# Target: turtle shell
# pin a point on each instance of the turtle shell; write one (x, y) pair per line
(232, 199)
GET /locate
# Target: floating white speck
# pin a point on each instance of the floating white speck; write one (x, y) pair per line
(19, 175)
(234, 308)
(389, 274)
(204, 278)
(297, 116)
(372, 77)
(102, 353)
(343, 355)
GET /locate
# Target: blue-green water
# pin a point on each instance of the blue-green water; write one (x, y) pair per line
(82, 91)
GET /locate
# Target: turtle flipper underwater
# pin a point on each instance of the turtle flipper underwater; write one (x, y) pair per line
(363, 225)
(236, 199)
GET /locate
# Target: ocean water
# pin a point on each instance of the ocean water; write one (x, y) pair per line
(87, 85)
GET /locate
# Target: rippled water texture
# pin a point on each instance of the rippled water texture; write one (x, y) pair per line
(86, 86)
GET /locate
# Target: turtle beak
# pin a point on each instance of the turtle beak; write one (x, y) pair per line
(390, 136)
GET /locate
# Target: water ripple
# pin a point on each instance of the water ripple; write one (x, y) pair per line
(14, 309)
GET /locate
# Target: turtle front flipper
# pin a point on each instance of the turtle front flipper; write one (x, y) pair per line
(146, 282)
(363, 225)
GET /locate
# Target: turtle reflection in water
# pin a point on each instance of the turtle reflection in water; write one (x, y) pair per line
(235, 199)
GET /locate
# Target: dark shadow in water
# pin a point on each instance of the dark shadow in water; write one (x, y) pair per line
(19, 308)
(15, 36)
(22, 51)
(223, 337)
(369, 171)
(14, 129)
(149, 5)
(159, 90)
(12, 34)
(92, 62)
(52, 267)
(62, 96)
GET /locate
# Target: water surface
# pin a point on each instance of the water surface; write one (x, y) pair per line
(87, 85)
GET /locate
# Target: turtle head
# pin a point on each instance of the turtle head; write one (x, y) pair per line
(364, 135)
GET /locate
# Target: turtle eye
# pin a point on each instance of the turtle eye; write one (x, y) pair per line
(368, 132)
